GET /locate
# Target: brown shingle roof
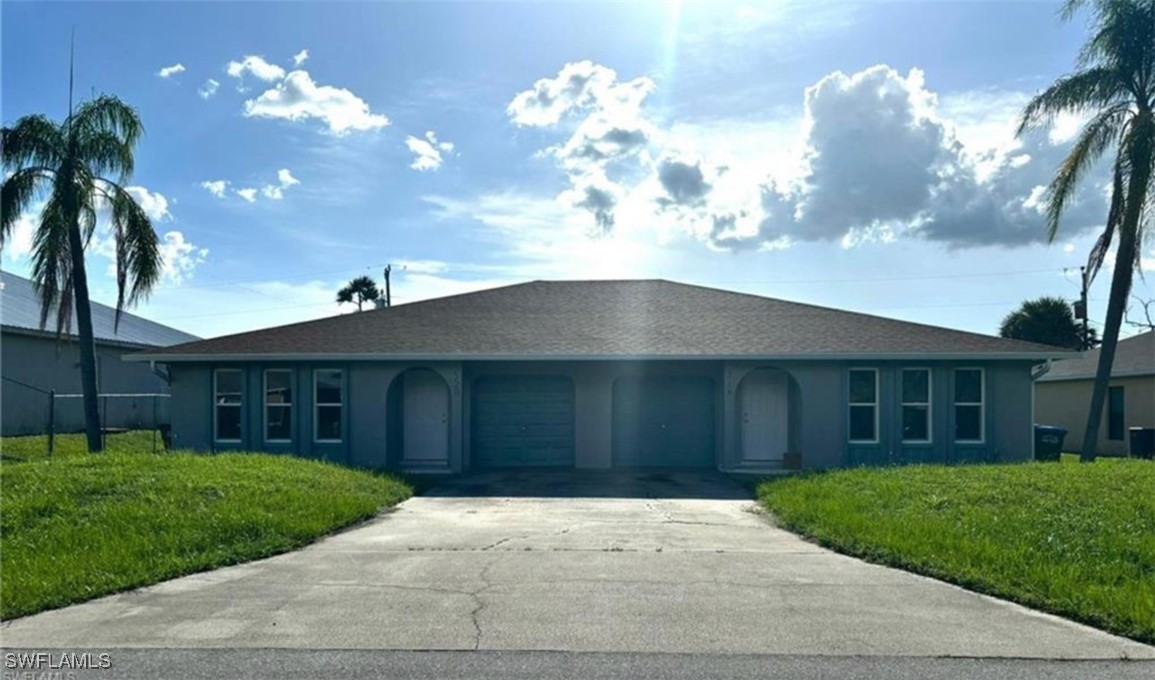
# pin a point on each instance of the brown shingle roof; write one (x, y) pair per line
(587, 319)
(1134, 356)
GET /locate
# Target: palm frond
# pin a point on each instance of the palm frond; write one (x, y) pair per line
(1102, 245)
(1070, 8)
(109, 114)
(1093, 88)
(1096, 138)
(33, 140)
(1123, 38)
(16, 196)
(52, 263)
(104, 153)
(139, 264)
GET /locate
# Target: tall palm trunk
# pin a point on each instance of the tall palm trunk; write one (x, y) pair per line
(1120, 285)
(87, 341)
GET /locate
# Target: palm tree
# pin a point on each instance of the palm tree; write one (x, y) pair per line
(68, 164)
(1047, 320)
(1115, 83)
(360, 290)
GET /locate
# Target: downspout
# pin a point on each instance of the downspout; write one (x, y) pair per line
(1036, 373)
(163, 374)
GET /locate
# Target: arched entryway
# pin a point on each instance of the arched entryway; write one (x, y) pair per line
(764, 412)
(419, 419)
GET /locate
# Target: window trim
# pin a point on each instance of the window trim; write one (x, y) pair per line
(1122, 391)
(216, 406)
(317, 407)
(874, 404)
(929, 404)
(265, 405)
(981, 404)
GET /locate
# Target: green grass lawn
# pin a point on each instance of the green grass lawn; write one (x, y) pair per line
(1074, 540)
(21, 449)
(78, 527)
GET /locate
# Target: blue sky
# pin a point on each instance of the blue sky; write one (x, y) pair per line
(852, 155)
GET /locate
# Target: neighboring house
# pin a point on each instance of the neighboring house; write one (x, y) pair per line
(600, 374)
(35, 361)
(1063, 395)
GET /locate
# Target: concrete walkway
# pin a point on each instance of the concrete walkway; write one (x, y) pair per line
(609, 563)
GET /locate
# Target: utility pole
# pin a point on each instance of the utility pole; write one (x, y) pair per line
(388, 293)
(1081, 312)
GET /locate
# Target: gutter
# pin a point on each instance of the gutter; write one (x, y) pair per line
(1041, 370)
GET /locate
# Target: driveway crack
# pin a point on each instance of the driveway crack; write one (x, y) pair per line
(479, 604)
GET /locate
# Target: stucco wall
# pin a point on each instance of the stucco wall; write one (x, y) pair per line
(817, 420)
(1065, 403)
(49, 365)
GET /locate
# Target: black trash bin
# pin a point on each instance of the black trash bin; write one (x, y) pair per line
(1049, 442)
(1142, 442)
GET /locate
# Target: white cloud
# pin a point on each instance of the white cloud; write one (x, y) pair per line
(276, 192)
(427, 151)
(297, 97)
(18, 245)
(611, 130)
(255, 66)
(285, 180)
(300, 57)
(179, 256)
(216, 187)
(208, 89)
(154, 204)
(872, 158)
(169, 71)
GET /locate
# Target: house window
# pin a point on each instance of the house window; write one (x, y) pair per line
(328, 398)
(227, 405)
(278, 405)
(969, 392)
(863, 405)
(916, 405)
(1115, 419)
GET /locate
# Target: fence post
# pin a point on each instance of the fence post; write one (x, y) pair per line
(154, 425)
(51, 421)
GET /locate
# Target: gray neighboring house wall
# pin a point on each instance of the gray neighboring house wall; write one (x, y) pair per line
(31, 356)
(601, 374)
(1063, 395)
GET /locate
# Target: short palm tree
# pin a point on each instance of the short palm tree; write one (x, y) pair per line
(359, 291)
(68, 164)
(1047, 320)
(1115, 84)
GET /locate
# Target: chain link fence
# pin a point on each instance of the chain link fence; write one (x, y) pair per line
(63, 413)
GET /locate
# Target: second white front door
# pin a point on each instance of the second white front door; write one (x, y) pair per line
(763, 403)
(426, 419)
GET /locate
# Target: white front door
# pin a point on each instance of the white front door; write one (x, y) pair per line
(762, 399)
(426, 420)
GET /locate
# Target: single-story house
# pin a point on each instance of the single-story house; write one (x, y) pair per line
(601, 374)
(1063, 395)
(35, 362)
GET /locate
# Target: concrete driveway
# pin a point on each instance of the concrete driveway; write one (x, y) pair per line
(652, 562)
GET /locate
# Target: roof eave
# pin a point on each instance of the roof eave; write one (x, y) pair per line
(1115, 375)
(69, 337)
(1032, 355)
